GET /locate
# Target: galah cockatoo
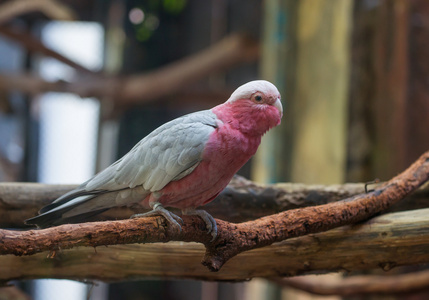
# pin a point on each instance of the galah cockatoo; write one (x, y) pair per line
(184, 163)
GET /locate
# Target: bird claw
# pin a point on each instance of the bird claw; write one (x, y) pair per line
(208, 219)
(159, 210)
(177, 222)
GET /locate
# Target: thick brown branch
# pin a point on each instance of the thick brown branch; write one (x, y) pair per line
(232, 50)
(298, 222)
(232, 238)
(361, 285)
(383, 242)
(242, 200)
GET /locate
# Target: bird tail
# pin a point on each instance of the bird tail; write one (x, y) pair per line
(79, 205)
(58, 213)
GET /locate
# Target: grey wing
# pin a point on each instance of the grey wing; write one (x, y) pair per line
(169, 153)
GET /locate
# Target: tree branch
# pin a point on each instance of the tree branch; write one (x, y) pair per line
(242, 200)
(360, 285)
(383, 242)
(267, 230)
(232, 238)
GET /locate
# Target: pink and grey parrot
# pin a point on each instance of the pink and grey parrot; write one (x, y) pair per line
(184, 163)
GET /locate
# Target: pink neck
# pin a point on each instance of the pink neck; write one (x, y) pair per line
(247, 117)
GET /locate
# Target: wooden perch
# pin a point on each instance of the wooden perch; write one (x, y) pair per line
(381, 243)
(233, 50)
(242, 200)
(232, 238)
(360, 285)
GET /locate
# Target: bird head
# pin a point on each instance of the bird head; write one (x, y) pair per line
(256, 106)
(260, 92)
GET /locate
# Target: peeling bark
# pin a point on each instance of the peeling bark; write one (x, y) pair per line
(232, 238)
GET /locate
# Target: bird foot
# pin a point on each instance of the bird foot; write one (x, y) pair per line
(159, 210)
(207, 218)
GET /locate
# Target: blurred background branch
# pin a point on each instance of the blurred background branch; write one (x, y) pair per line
(33, 45)
(231, 51)
(52, 9)
(360, 285)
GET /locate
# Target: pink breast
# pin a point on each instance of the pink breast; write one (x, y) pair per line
(226, 152)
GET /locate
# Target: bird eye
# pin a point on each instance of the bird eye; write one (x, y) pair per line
(258, 98)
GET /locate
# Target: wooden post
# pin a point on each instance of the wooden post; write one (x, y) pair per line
(272, 162)
(388, 95)
(305, 53)
(390, 60)
(322, 89)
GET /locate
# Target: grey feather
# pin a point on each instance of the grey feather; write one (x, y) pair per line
(169, 153)
(161, 156)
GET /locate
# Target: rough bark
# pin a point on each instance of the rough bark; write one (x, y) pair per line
(232, 238)
(381, 243)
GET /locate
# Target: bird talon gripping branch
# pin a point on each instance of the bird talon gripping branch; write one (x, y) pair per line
(159, 210)
(207, 218)
(184, 163)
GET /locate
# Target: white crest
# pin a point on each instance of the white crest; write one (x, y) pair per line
(248, 89)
